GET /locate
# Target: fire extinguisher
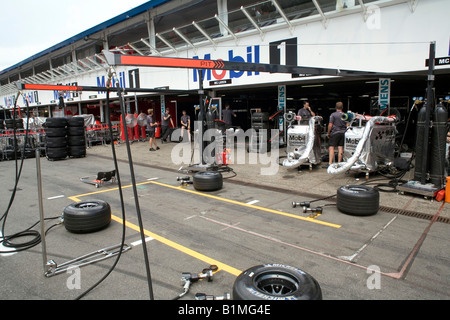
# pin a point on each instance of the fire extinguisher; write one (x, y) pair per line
(224, 157)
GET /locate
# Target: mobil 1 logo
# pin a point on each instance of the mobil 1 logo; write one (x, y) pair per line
(284, 52)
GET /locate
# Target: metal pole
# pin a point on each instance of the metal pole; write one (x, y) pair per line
(41, 207)
(136, 197)
(430, 107)
(202, 116)
(135, 94)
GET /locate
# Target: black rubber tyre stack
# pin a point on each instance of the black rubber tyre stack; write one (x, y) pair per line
(76, 137)
(11, 123)
(56, 138)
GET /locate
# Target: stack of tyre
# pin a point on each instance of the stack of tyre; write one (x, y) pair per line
(2, 127)
(76, 137)
(28, 148)
(12, 151)
(10, 124)
(56, 138)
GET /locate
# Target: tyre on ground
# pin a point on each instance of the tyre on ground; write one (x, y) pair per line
(208, 181)
(87, 216)
(276, 282)
(358, 200)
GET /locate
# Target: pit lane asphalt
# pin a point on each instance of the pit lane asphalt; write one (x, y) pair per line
(190, 230)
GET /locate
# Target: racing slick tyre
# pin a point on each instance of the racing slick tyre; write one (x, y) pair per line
(77, 151)
(56, 142)
(14, 123)
(87, 216)
(56, 153)
(55, 123)
(208, 181)
(76, 140)
(76, 131)
(276, 282)
(358, 200)
(75, 122)
(56, 132)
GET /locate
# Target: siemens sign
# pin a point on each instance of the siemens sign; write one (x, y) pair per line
(384, 94)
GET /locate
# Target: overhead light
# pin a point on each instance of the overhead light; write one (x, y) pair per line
(313, 86)
(377, 81)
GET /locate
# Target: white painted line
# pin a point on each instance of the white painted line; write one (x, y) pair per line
(253, 202)
(56, 197)
(3, 248)
(139, 242)
(353, 256)
(190, 217)
(152, 179)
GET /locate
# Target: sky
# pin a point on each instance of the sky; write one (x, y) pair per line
(31, 26)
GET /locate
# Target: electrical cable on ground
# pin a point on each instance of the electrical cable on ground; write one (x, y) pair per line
(28, 232)
(6, 240)
(116, 166)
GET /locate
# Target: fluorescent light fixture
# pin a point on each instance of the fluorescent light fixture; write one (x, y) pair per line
(313, 86)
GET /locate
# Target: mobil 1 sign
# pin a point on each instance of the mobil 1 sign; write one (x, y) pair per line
(384, 93)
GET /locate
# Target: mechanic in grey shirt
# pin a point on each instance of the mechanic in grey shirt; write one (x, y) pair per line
(151, 125)
(185, 125)
(166, 119)
(306, 113)
(336, 133)
(227, 116)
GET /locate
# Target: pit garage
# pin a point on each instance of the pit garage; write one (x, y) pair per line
(255, 237)
(152, 234)
(396, 253)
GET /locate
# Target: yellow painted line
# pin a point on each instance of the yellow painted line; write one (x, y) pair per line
(186, 250)
(170, 243)
(290, 215)
(179, 247)
(108, 190)
(328, 224)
